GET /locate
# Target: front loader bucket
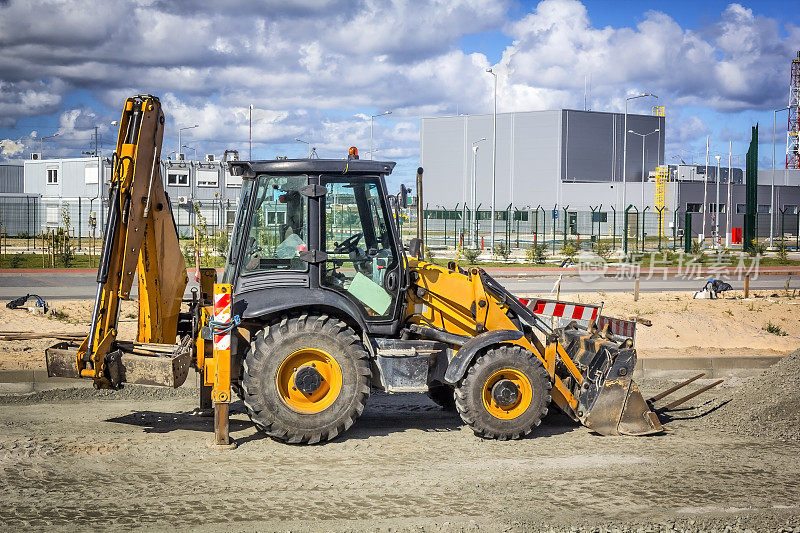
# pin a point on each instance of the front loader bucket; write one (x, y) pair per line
(609, 401)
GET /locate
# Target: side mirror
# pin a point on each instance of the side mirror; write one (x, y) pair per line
(403, 196)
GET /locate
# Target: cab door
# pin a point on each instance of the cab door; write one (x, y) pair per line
(362, 261)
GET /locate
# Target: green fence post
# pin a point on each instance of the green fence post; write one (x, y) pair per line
(687, 233)
(614, 227)
(625, 230)
(555, 216)
(660, 227)
(565, 224)
(644, 235)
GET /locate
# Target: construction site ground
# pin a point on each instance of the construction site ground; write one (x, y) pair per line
(75, 458)
(681, 326)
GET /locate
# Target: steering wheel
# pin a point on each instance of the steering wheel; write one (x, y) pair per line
(347, 245)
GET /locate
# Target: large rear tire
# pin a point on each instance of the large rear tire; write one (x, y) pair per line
(306, 379)
(504, 394)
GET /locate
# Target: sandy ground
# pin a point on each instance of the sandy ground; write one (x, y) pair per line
(74, 316)
(681, 325)
(138, 458)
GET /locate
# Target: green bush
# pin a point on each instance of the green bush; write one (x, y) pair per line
(603, 250)
(570, 251)
(783, 252)
(502, 250)
(756, 248)
(470, 255)
(537, 254)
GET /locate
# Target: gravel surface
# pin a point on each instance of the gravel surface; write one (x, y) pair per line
(138, 458)
(764, 406)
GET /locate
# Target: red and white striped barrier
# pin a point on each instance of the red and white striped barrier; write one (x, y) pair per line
(222, 315)
(560, 309)
(618, 326)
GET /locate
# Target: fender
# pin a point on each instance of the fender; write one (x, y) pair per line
(461, 360)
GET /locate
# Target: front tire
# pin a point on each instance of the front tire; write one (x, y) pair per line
(306, 379)
(504, 394)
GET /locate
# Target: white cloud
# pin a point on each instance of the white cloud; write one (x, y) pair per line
(9, 147)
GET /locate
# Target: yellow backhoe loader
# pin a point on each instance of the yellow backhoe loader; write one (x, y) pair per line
(320, 303)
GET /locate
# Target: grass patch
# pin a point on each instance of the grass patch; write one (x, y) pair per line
(775, 329)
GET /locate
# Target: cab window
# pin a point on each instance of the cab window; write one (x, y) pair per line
(278, 230)
(358, 243)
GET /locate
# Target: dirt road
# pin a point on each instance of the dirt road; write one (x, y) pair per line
(82, 460)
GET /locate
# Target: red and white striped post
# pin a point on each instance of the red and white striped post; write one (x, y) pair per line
(221, 391)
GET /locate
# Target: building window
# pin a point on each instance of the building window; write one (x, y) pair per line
(789, 209)
(763, 209)
(52, 214)
(52, 176)
(694, 208)
(207, 178)
(231, 180)
(741, 209)
(179, 179)
(716, 208)
(90, 174)
(600, 216)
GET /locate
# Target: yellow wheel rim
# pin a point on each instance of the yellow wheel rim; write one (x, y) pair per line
(522, 402)
(324, 396)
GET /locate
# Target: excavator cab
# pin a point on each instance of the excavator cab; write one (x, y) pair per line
(322, 231)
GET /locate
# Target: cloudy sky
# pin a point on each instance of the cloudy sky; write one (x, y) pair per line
(317, 70)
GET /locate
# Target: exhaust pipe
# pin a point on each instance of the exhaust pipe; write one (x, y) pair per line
(420, 216)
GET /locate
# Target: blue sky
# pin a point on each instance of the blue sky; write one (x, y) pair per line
(318, 69)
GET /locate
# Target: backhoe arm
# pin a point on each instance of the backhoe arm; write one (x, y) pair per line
(140, 234)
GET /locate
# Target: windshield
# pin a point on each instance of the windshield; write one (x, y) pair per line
(238, 230)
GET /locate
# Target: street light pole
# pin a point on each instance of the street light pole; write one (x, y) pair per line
(306, 143)
(716, 207)
(772, 188)
(475, 187)
(371, 123)
(41, 143)
(728, 239)
(643, 136)
(494, 152)
(179, 136)
(625, 161)
(702, 236)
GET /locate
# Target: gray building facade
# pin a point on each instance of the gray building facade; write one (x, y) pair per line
(537, 152)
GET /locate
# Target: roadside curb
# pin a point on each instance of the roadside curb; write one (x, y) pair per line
(713, 367)
(29, 381)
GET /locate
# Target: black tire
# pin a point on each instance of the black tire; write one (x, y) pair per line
(469, 394)
(278, 341)
(443, 396)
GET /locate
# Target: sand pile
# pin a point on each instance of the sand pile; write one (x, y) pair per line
(767, 405)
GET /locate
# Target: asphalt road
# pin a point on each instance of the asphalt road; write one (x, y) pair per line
(79, 285)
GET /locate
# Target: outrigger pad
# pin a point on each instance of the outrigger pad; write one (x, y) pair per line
(166, 370)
